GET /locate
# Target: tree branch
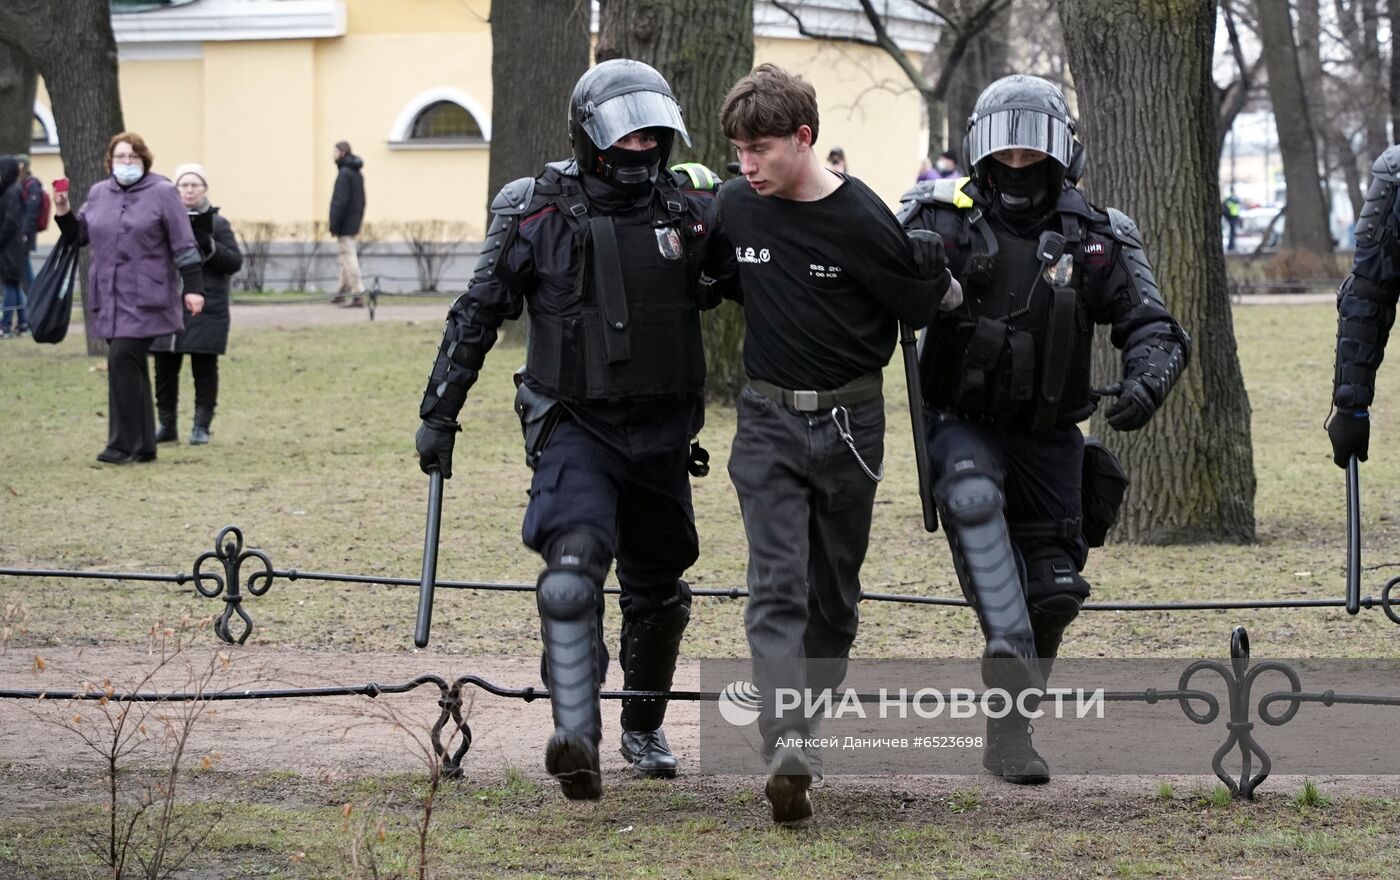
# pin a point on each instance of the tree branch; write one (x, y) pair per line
(835, 38)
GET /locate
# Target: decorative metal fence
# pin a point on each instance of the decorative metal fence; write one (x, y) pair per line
(220, 573)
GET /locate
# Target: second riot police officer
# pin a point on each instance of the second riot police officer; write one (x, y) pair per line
(606, 250)
(1006, 379)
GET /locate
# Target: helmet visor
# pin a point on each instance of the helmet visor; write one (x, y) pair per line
(1019, 129)
(618, 116)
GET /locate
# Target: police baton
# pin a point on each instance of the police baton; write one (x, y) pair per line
(1353, 537)
(909, 343)
(428, 581)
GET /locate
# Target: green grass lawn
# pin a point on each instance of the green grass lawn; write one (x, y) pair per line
(312, 455)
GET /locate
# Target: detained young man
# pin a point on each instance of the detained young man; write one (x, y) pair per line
(826, 274)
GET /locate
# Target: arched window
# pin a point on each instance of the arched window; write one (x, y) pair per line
(446, 121)
(43, 136)
(441, 118)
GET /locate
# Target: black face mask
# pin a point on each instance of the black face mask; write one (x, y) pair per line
(1021, 190)
(631, 171)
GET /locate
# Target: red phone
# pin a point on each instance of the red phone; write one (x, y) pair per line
(60, 185)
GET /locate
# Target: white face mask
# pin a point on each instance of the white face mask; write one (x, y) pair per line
(126, 175)
(944, 165)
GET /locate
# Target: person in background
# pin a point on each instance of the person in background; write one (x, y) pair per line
(945, 166)
(13, 252)
(347, 213)
(205, 336)
(836, 160)
(142, 250)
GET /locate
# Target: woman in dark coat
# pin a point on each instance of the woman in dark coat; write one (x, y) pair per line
(13, 252)
(142, 250)
(205, 336)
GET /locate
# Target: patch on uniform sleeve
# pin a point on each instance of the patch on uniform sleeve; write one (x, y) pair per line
(698, 228)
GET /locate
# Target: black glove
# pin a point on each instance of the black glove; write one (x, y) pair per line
(1350, 433)
(434, 442)
(1134, 406)
(205, 242)
(929, 256)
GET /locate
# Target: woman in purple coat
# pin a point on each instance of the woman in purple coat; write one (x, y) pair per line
(142, 248)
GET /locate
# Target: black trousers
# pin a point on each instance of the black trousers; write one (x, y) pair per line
(206, 381)
(807, 506)
(131, 419)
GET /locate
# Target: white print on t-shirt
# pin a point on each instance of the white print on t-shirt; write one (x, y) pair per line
(817, 270)
(747, 255)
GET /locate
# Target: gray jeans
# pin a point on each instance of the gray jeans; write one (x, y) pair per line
(807, 503)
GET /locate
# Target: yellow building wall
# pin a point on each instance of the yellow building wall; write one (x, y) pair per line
(357, 102)
(258, 138)
(416, 16)
(867, 107)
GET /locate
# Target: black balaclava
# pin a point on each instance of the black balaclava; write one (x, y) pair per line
(1023, 193)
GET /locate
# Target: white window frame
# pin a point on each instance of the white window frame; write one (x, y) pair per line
(400, 136)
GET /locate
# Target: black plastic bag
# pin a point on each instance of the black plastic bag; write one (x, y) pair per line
(51, 294)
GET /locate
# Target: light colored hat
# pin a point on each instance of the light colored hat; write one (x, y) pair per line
(191, 168)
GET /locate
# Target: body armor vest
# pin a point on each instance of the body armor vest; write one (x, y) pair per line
(632, 328)
(1017, 352)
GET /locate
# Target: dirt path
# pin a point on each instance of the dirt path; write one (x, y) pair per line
(348, 737)
(319, 314)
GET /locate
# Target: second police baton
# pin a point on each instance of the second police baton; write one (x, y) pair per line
(908, 342)
(428, 582)
(1353, 537)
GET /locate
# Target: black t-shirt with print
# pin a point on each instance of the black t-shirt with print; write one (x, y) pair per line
(823, 283)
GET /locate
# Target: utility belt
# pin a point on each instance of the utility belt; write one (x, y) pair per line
(858, 390)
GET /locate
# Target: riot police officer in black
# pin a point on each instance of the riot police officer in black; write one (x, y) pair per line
(1366, 312)
(606, 250)
(1006, 378)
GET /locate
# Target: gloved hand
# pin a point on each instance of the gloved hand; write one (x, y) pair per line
(205, 242)
(434, 442)
(1350, 433)
(929, 256)
(932, 262)
(1133, 408)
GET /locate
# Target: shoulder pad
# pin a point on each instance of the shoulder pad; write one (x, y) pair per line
(948, 191)
(564, 167)
(1123, 228)
(1387, 165)
(514, 197)
(696, 176)
(1073, 201)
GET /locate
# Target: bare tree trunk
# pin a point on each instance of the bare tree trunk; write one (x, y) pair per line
(702, 47)
(1369, 65)
(17, 85)
(539, 49)
(985, 60)
(1147, 106)
(1306, 227)
(1393, 12)
(72, 47)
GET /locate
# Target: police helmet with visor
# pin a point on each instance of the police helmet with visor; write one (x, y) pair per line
(613, 100)
(1026, 113)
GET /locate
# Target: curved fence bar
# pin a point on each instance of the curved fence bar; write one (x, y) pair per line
(226, 580)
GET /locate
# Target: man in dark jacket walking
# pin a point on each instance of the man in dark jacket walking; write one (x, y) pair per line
(347, 212)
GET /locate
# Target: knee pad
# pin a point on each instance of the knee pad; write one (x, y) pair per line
(969, 497)
(566, 595)
(1054, 589)
(581, 552)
